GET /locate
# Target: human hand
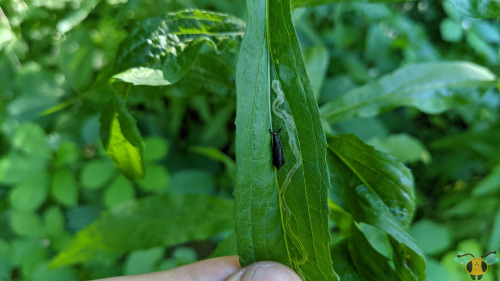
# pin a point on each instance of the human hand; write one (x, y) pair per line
(219, 269)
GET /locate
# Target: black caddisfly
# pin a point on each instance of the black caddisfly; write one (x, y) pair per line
(278, 159)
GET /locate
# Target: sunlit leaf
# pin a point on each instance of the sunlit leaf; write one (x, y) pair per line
(364, 205)
(280, 215)
(478, 9)
(382, 174)
(122, 139)
(160, 51)
(314, 3)
(428, 87)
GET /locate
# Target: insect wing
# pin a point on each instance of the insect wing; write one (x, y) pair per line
(491, 259)
(463, 259)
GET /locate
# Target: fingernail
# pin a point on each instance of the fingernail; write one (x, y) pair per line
(265, 271)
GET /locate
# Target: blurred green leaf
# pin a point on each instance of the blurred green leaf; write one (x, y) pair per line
(478, 9)
(54, 221)
(81, 216)
(494, 242)
(143, 261)
(156, 221)
(6, 259)
(76, 16)
(30, 139)
(120, 191)
(435, 271)
(185, 255)
(403, 147)
(27, 223)
(217, 155)
(316, 59)
(28, 254)
(64, 187)
(314, 3)
(431, 237)
(451, 31)
(67, 154)
(226, 247)
(425, 86)
(160, 51)
(43, 273)
(95, 174)
(157, 178)
(280, 215)
(77, 57)
(192, 182)
(382, 174)
(122, 139)
(489, 185)
(156, 148)
(30, 194)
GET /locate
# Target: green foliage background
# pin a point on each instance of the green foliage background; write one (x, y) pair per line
(58, 188)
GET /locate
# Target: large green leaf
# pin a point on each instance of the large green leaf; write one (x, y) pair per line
(280, 215)
(381, 173)
(366, 206)
(122, 139)
(369, 263)
(161, 50)
(428, 87)
(162, 220)
(314, 3)
(478, 9)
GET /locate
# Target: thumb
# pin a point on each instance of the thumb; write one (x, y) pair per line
(265, 271)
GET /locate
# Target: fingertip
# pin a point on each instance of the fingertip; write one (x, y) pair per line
(265, 271)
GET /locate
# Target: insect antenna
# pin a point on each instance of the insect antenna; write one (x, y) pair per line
(466, 255)
(494, 252)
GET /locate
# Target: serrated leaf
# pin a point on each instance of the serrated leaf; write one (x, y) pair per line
(382, 174)
(149, 222)
(425, 86)
(161, 50)
(281, 215)
(478, 9)
(371, 265)
(365, 206)
(122, 139)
